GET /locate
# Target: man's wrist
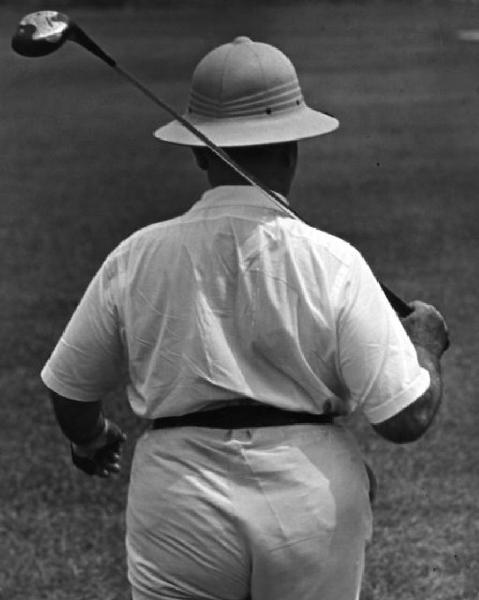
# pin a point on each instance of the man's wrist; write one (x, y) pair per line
(430, 356)
(88, 438)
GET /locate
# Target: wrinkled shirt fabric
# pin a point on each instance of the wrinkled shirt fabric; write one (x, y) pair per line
(235, 299)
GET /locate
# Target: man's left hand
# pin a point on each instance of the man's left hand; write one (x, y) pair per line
(101, 456)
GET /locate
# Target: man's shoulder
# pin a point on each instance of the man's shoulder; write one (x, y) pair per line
(148, 236)
(322, 243)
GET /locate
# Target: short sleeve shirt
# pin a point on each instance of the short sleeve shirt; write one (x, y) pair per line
(236, 299)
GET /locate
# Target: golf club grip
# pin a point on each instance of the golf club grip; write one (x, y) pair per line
(402, 308)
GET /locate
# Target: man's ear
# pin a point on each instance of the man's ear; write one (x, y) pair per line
(287, 154)
(201, 157)
(291, 151)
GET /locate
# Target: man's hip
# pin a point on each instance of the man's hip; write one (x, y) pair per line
(222, 513)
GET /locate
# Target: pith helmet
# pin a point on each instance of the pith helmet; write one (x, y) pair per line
(247, 93)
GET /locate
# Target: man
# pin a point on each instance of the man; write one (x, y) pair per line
(245, 332)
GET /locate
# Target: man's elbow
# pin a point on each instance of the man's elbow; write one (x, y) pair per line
(400, 433)
(412, 422)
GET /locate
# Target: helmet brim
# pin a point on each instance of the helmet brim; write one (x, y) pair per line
(287, 126)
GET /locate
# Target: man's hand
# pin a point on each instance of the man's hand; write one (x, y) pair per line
(426, 328)
(102, 455)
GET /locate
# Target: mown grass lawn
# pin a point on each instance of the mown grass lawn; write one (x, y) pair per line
(80, 170)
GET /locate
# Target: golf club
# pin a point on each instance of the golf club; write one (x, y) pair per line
(43, 32)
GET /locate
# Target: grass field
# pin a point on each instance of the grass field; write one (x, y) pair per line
(400, 179)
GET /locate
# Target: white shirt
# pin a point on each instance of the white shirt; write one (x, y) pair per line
(235, 299)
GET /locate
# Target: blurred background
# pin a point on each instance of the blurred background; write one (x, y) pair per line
(80, 170)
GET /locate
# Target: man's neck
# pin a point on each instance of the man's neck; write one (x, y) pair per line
(276, 186)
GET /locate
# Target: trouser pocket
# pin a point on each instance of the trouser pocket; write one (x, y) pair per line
(373, 484)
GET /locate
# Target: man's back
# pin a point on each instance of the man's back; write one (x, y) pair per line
(231, 299)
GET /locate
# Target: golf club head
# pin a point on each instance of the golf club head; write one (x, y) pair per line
(41, 33)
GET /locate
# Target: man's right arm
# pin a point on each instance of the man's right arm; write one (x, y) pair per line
(427, 330)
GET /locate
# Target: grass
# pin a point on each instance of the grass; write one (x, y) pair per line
(80, 170)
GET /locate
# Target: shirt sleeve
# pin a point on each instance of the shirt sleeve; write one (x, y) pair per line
(86, 363)
(377, 361)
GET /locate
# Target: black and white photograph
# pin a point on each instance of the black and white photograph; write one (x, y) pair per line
(239, 253)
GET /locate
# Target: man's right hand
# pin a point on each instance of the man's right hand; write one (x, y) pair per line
(427, 328)
(102, 455)
(428, 332)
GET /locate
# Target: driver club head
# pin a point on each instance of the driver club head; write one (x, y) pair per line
(41, 33)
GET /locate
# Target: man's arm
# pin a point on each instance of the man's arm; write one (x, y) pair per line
(95, 441)
(427, 330)
(84, 366)
(80, 422)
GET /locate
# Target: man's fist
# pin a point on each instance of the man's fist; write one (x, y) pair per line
(426, 327)
(102, 455)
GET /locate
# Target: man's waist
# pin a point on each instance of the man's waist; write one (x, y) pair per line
(243, 416)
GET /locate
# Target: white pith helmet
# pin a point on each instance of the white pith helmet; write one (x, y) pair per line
(247, 93)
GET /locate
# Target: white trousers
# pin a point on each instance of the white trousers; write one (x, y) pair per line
(272, 513)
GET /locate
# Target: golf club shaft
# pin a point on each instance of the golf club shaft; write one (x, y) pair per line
(79, 36)
(209, 143)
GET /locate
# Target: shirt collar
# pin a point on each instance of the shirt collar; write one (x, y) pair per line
(237, 195)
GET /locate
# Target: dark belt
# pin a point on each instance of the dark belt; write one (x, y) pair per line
(239, 417)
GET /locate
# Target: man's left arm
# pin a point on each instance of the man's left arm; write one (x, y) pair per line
(378, 361)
